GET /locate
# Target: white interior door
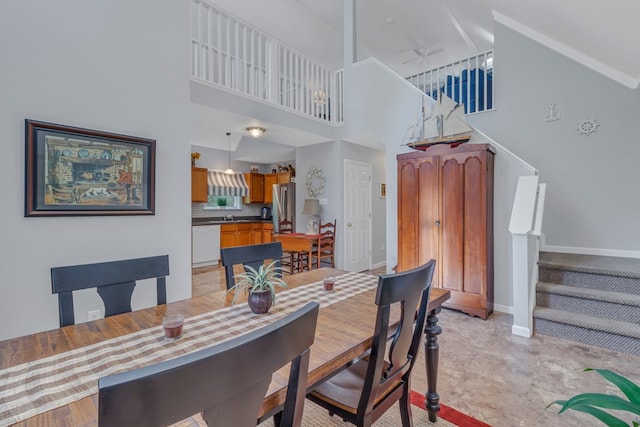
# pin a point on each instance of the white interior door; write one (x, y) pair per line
(357, 226)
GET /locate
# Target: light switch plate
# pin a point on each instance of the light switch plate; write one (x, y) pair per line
(323, 201)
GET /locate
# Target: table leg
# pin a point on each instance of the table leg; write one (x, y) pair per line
(431, 332)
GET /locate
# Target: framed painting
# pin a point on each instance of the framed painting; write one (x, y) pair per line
(75, 172)
(383, 190)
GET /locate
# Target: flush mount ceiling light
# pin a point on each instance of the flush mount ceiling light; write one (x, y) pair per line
(229, 171)
(255, 131)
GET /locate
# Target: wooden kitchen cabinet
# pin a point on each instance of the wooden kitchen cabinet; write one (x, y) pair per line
(256, 188)
(256, 233)
(274, 178)
(445, 212)
(199, 185)
(267, 232)
(245, 233)
(235, 235)
(228, 235)
(269, 180)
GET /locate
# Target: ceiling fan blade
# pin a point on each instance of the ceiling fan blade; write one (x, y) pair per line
(433, 52)
(409, 60)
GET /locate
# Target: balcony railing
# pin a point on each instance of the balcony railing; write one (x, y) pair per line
(230, 53)
(468, 82)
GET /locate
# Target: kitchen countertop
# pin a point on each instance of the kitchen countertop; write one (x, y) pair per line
(220, 220)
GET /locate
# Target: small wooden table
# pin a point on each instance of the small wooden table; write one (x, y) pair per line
(299, 242)
(343, 333)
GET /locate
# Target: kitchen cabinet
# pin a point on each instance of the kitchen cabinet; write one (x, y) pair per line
(199, 185)
(256, 233)
(245, 233)
(256, 188)
(267, 232)
(445, 212)
(274, 178)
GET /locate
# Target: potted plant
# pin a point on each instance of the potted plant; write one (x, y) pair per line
(261, 286)
(594, 403)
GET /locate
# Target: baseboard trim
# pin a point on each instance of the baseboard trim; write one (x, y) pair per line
(521, 331)
(503, 308)
(378, 265)
(591, 251)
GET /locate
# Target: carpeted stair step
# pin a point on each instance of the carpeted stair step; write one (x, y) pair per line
(591, 271)
(605, 333)
(591, 302)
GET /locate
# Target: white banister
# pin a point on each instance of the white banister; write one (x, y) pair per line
(228, 52)
(468, 82)
(525, 227)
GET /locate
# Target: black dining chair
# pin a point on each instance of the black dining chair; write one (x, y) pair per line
(114, 281)
(226, 381)
(364, 391)
(249, 255)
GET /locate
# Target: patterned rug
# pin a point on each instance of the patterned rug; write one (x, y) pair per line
(315, 416)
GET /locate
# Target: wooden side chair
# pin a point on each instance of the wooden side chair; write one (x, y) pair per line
(288, 260)
(226, 381)
(114, 281)
(249, 255)
(323, 251)
(361, 393)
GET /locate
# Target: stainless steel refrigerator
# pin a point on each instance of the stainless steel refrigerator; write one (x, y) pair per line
(284, 205)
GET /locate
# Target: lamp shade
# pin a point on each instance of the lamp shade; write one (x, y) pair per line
(311, 207)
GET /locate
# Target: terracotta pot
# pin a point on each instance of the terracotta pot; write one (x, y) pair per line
(260, 301)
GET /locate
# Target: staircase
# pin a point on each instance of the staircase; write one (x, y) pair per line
(590, 299)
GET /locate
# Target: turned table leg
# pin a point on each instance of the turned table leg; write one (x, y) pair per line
(431, 332)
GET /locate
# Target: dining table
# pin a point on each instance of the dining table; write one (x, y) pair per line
(50, 377)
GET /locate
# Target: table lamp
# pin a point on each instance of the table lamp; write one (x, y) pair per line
(312, 208)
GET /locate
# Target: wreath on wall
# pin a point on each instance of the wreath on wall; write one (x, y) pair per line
(315, 182)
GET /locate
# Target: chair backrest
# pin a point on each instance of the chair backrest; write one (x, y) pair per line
(249, 255)
(410, 291)
(227, 381)
(285, 226)
(114, 281)
(327, 234)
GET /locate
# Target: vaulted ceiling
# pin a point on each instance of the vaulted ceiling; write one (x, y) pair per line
(411, 36)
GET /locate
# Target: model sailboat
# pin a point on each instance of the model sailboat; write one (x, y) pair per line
(445, 125)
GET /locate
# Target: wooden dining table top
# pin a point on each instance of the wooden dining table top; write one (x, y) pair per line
(344, 332)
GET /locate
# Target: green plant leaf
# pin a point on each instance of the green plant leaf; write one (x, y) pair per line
(591, 403)
(600, 400)
(628, 388)
(603, 416)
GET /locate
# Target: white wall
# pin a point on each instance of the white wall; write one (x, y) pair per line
(592, 200)
(117, 66)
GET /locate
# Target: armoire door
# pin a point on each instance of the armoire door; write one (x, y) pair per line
(463, 237)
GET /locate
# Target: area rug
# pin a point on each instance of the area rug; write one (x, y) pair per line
(315, 416)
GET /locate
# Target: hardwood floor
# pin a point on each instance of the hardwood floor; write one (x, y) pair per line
(497, 377)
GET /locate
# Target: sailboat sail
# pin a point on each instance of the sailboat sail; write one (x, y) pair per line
(446, 120)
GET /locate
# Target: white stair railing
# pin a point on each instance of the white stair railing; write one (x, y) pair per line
(230, 53)
(525, 227)
(468, 82)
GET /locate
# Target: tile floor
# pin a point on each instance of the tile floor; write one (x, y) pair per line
(499, 378)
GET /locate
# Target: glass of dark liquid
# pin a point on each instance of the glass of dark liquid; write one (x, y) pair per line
(172, 324)
(328, 283)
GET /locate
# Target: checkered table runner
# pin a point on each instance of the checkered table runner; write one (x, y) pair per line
(36, 387)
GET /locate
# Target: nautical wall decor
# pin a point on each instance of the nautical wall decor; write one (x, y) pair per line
(587, 127)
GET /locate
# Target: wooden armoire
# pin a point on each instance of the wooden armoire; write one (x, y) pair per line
(445, 212)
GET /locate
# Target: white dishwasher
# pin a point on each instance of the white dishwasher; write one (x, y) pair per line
(205, 241)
